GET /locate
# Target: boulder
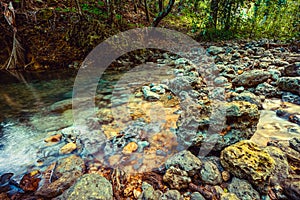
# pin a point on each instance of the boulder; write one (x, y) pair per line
(67, 171)
(243, 189)
(213, 50)
(171, 195)
(89, 186)
(186, 161)
(177, 178)
(251, 78)
(247, 161)
(210, 173)
(290, 84)
(292, 70)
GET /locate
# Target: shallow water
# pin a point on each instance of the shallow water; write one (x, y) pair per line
(26, 120)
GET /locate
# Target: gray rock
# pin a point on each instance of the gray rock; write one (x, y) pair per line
(171, 195)
(181, 61)
(292, 70)
(292, 189)
(149, 95)
(213, 50)
(149, 193)
(290, 84)
(67, 171)
(220, 81)
(281, 170)
(275, 74)
(251, 78)
(210, 173)
(229, 196)
(249, 97)
(186, 161)
(240, 89)
(90, 186)
(61, 106)
(279, 62)
(243, 190)
(267, 90)
(197, 196)
(290, 97)
(295, 144)
(177, 178)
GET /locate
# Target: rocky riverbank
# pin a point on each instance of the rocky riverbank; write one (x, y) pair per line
(176, 133)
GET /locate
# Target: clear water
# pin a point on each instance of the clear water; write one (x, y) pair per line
(25, 119)
(24, 99)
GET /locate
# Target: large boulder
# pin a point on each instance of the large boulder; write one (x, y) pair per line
(251, 78)
(89, 186)
(240, 120)
(67, 171)
(290, 84)
(247, 161)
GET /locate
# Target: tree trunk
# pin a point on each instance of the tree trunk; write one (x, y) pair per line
(163, 14)
(160, 5)
(146, 10)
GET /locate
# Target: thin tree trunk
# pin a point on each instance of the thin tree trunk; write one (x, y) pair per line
(163, 14)
(146, 10)
(160, 5)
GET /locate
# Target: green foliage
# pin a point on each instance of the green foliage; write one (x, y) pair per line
(226, 19)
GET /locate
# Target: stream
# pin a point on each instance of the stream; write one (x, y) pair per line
(26, 119)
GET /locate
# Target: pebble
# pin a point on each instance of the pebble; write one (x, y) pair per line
(54, 138)
(68, 148)
(130, 148)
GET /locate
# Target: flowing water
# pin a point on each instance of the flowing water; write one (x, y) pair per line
(26, 120)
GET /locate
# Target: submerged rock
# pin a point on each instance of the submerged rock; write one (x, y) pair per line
(149, 95)
(246, 160)
(295, 144)
(243, 189)
(61, 106)
(195, 122)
